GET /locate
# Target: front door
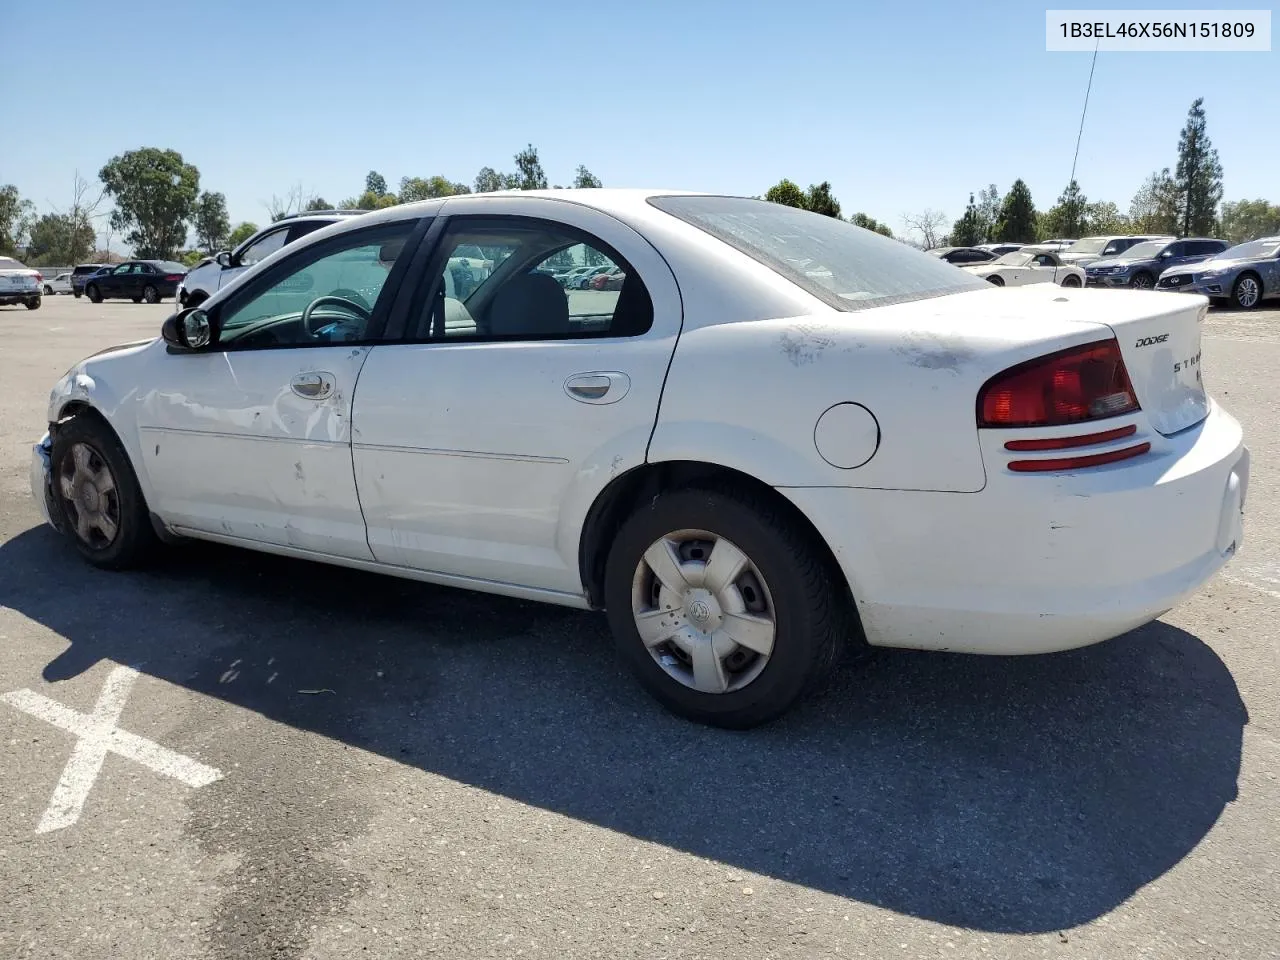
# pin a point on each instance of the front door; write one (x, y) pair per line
(250, 440)
(483, 438)
(116, 283)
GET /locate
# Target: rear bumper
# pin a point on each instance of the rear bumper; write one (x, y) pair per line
(8, 298)
(1041, 562)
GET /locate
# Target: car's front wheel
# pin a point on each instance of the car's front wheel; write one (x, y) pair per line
(996, 280)
(1247, 291)
(93, 293)
(1142, 281)
(97, 495)
(726, 611)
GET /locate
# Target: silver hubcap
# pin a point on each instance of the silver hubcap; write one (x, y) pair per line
(703, 611)
(1247, 292)
(1142, 281)
(89, 491)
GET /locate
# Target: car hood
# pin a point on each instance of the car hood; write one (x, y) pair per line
(1122, 262)
(982, 269)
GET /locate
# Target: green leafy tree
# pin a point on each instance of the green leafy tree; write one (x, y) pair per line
(489, 180)
(819, 200)
(788, 194)
(1154, 208)
(59, 238)
(1066, 218)
(870, 223)
(375, 183)
(969, 229)
(532, 176)
(242, 232)
(317, 203)
(1105, 218)
(989, 212)
(155, 195)
(212, 222)
(584, 178)
(1016, 222)
(1198, 175)
(418, 188)
(190, 258)
(17, 216)
(1244, 220)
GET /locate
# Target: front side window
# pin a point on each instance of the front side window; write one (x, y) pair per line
(843, 265)
(326, 294)
(121, 270)
(514, 278)
(263, 248)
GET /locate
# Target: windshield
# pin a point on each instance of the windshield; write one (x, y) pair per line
(1089, 245)
(1016, 259)
(845, 266)
(1145, 251)
(1250, 250)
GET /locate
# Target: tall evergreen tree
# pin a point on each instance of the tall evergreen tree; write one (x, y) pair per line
(1198, 175)
(1017, 220)
(1154, 208)
(969, 229)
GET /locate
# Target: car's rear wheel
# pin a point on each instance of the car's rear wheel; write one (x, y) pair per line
(48, 290)
(33, 303)
(996, 280)
(1142, 281)
(1071, 281)
(97, 495)
(1247, 291)
(727, 612)
(93, 293)
(150, 294)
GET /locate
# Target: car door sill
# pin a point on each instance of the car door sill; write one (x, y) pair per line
(408, 573)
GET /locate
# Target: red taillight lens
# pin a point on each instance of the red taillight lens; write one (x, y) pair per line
(174, 277)
(1071, 386)
(39, 278)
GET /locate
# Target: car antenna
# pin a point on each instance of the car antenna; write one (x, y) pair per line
(1080, 132)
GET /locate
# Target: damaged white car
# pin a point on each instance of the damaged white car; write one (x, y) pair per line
(747, 463)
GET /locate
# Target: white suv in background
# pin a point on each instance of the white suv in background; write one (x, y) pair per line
(213, 273)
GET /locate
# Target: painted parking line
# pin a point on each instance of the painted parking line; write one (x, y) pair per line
(97, 734)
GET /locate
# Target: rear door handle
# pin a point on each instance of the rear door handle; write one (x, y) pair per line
(599, 386)
(312, 386)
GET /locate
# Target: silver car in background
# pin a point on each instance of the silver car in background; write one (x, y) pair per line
(1243, 275)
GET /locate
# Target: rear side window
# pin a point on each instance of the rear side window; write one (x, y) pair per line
(843, 265)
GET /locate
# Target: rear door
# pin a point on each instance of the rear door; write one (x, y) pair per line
(482, 438)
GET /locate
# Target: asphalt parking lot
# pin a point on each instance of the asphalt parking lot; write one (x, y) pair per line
(279, 759)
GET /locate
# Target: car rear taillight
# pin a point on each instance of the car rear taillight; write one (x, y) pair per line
(39, 277)
(1075, 385)
(174, 277)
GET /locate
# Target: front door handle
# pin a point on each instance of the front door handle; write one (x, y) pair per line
(312, 386)
(599, 386)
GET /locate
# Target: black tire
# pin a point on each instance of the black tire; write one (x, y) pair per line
(195, 298)
(93, 293)
(48, 290)
(1071, 281)
(33, 303)
(1142, 281)
(135, 538)
(150, 294)
(813, 617)
(136, 299)
(77, 294)
(1240, 287)
(996, 280)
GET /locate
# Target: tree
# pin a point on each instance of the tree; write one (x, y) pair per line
(1067, 217)
(16, 219)
(1016, 222)
(869, 223)
(1104, 218)
(1154, 209)
(1198, 175)
(788, 194)
(489, 180)
(988, 212)
(1244, 220)
(242, 232)
(531, 174)
(376, 183)
(60, 238)
(292, 203)
(820, 200)
(316, 203)
(584, 178)
(417, 188)
(969, 229)
(155, 193)
(212, 222)
(927, 223)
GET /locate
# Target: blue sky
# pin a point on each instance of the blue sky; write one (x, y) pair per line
(900, 105)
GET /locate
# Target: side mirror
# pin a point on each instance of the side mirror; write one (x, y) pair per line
(224, 259)
(189, 330)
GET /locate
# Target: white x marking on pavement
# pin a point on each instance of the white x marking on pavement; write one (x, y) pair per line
(97, 735)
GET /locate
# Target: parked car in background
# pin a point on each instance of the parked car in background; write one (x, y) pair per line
(213, 273)
(59, 284)
(747, 467)
(566, 277)
(81, 274)
(1141, 265)
(1086, 250)
(1243, 275)
(19, 284)
(962, 255)
(583, 280)
(999, 249)
(1057, 246)
(1028, 265)
(137, 280)
(608, 281)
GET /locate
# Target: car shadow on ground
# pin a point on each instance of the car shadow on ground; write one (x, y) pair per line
(1012, 795)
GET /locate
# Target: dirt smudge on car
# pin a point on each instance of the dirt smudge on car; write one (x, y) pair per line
(804, 342)
(933, 352)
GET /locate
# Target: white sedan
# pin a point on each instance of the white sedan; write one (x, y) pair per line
(1028, 266)
(746, 463)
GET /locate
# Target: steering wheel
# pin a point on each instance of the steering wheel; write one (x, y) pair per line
(360, 311)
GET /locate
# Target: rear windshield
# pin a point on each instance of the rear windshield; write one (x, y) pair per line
(169, 266)
(86, 268)
(8, 263)
(846, 266)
